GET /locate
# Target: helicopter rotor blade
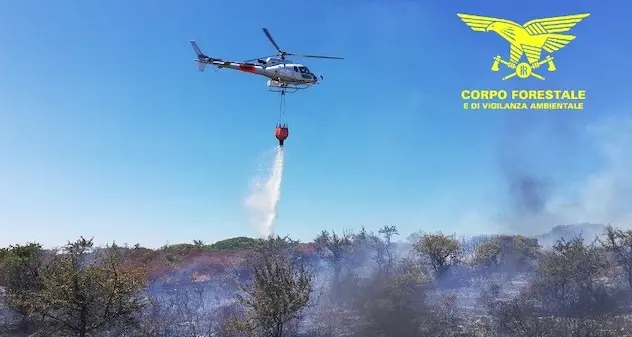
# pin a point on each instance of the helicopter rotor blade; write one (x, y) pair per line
(317, 56)
(265, 30)
(282, 53)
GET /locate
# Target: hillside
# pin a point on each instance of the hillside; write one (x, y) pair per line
(355, 284)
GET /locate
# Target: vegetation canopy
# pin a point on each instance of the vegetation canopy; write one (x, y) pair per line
(357, 284)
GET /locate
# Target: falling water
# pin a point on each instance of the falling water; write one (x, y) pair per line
(265, 191)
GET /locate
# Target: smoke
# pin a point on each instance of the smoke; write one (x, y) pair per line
(605, 195)
(265, 192)
(531, 168)
(538, 200)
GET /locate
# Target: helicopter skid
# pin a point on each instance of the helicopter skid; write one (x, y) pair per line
(276, 86)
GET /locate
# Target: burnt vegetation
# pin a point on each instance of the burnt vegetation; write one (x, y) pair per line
(341, 284)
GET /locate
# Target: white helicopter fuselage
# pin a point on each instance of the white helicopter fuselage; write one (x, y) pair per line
(286, 73)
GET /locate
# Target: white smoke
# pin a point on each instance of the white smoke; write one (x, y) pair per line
(602, 197)
(265, 192)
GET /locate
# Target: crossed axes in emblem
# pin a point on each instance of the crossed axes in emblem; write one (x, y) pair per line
(523, 69)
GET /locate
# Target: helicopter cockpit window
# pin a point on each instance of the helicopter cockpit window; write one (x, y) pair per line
(296, 69)
(304, 70)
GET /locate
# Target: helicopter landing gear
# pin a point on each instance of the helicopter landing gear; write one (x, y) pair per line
(278, 86)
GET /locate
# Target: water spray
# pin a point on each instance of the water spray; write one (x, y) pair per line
(265, 192)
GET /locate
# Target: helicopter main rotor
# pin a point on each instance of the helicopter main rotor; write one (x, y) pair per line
(283, 53)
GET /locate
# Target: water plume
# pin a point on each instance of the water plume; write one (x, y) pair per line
(265, 192)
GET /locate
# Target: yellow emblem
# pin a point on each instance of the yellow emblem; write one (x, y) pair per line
(528, 39)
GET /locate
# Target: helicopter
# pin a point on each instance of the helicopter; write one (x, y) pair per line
(284, 75)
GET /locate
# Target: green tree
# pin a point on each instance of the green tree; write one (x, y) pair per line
(279, 291)
(83, 293)
(272, 248)
(619, 244)
(569, 280)
(20, 275)
(514, 252)
(442, 251)
(235, 243)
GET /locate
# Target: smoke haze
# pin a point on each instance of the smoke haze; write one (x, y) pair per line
(537, 198)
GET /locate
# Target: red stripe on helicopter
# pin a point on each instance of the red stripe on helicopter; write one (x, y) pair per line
(247, 68)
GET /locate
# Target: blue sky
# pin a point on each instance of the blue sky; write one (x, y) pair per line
(107, 129)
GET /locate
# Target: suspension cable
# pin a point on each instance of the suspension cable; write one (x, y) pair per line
(282, 107)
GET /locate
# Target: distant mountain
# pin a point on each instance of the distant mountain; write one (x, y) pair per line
(587, 230)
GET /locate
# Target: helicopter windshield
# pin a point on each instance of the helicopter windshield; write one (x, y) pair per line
(304, 70)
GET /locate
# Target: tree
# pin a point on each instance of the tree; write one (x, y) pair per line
(442, 251)
(361, 246)
(83, 293)
(396, 304)
(380, 244)
(569, 280)
(334, 247)
(619, 244)
(20, 275)
(512, 252)
(274, 247)
(235, 243)
(279, 291)
(388, 232)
